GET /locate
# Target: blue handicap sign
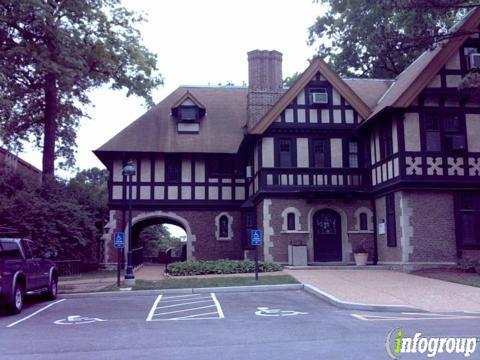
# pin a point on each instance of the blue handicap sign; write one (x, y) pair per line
(119, 240)
(256, 237)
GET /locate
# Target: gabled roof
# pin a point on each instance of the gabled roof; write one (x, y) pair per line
(317, 65)
(421, 72)
(188, 96)
(369, 90)
(221, 130)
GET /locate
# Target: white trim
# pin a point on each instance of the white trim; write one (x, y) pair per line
(294, 232)
(267, 230)
(369, 213)
(361, 232)
(230, 227)
(284, 214)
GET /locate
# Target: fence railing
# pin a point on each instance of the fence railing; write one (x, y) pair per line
(137, 256)
(68, 267)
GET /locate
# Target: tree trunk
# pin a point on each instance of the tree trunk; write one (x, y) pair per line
(51, 111)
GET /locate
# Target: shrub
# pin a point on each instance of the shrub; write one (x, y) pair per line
(467, 264)
(220, 267)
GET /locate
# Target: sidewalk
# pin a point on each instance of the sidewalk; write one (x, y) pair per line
(386, 287)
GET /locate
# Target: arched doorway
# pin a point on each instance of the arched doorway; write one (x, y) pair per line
(177, 225)
(327, 236)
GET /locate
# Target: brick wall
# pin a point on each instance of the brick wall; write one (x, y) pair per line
(433, 223)
(280, 239)
(202, 226)
(425, 228)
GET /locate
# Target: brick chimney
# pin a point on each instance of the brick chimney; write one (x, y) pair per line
(265, 83)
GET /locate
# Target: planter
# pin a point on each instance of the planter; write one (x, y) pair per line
(361, 259)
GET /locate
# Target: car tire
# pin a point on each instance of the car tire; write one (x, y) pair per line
(16, 306)
(52, 291)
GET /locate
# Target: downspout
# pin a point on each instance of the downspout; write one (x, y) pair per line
(375, 245)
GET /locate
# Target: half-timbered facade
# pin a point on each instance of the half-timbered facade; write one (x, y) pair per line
(331, 163)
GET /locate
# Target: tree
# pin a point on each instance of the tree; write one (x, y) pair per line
(157, 238)
(53, 53)
(63, 219)
(370, 38)
(290, 80)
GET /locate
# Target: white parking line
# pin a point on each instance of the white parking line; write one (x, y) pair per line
(219, 308)
(35, 313)
(183, 310)
(182, 304)
(152, 310)
(189, 303)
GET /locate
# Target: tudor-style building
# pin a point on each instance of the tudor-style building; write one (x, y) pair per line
(332, 163)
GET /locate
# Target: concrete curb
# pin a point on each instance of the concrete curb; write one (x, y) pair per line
(358, 306)
(253, 288)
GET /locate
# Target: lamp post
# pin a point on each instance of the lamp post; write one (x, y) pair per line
(129, 171)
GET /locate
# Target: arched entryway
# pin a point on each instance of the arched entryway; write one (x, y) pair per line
(327, 236)
(149, 219)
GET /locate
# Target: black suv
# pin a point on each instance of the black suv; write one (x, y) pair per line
(22, 273)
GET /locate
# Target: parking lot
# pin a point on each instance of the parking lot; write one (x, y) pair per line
(273, 324)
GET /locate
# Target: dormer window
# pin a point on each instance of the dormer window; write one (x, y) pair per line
(188, 112)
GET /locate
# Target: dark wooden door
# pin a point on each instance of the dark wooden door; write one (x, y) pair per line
(327, 236)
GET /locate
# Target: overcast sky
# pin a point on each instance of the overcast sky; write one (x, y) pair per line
(198, 43)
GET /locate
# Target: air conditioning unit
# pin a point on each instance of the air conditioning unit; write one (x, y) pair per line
(475, 61)
(319, 98)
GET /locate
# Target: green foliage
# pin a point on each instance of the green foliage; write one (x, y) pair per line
(379, 39)
(220, 267)
(290, 80)
(61, 219)
(64, 49)
(156, 238)
(469, 265)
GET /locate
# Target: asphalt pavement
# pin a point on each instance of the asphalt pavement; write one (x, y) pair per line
(263, 325)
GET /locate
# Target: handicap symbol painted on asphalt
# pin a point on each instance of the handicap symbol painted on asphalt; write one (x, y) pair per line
(77, 320)
(265, 311)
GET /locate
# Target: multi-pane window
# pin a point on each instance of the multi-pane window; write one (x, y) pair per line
(223, 224)
(188, 113)
(321, 153)
(432, 134)
(469, 219)
(222, 165)
(285, 153)
(352, 154)
(444, 133)
(290, 221)
(386, 141)
(172, 170)
(391, 228)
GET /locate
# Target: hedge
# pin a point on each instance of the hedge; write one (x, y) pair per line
(220, 267)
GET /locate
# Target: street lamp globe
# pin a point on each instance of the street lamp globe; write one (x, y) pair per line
(129, 169)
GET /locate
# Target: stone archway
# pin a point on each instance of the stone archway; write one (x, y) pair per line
(167, 217)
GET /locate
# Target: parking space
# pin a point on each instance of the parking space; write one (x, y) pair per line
(273, 324)
(185, 307)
